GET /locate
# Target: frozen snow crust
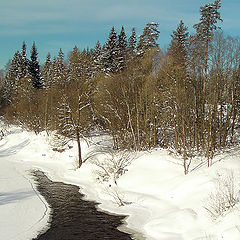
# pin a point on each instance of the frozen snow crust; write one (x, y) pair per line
(161, 202)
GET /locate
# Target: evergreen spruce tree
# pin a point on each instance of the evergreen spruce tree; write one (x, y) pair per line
(34, 69)
(58, 70)
(148, 39)
(122, 41)
(179, 44)
(24, 61)
(53, 71)
(60, 56)
(97, 58)
(12, 72)
(109, 56)
(87, 65)
(75, 68)
(24, 50)
(121, 50)
(12, 77)
(132, 41)
(46, 71)
(15, 68)
(60, 61)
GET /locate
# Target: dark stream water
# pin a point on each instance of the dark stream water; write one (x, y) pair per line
(73, 218)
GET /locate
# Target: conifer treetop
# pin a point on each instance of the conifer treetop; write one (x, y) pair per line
(210, 15)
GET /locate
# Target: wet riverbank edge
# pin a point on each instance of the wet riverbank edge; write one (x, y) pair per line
(72, 217)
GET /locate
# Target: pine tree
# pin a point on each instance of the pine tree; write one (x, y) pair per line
(205, 28)
(34, 69)
(132, 41)
(148, 39)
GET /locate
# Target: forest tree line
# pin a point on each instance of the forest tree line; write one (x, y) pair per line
(186, 98)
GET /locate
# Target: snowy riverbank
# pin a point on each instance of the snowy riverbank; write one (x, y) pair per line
(162, 203)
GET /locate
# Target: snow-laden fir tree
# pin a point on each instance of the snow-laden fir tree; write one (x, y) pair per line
(122, 41)
(97, 58)
(121, 50)
(60, 67)
(61, 57)
(58, 70)
(46, 71)
(24, 67)
(80, 65)
(179, 44)
(109, 53)
(76, 66)
(14, 71)
(11, 77)
(18, 68)
(148, 39)
(132, 42)
(34, 68)
(87, 64)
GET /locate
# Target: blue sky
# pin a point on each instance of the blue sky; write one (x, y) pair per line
(55, 24)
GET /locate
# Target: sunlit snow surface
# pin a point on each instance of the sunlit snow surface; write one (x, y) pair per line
(23, 212)
(161, 202)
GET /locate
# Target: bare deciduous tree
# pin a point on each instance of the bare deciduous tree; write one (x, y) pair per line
(224, 197)
(75, 114)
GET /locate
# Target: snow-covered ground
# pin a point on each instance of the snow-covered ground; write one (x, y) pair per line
(161, 202)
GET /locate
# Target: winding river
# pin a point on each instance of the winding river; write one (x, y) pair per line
(73, 218)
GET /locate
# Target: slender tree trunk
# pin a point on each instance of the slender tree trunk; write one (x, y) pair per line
(233, 124)
(184, 149)
(46, 114)
(155, 131)
(203, 97)
(205, 69)
(79, 149)
(137, 124)
(131, 126)
(221, 126)
(234, 112)
(226, 127)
